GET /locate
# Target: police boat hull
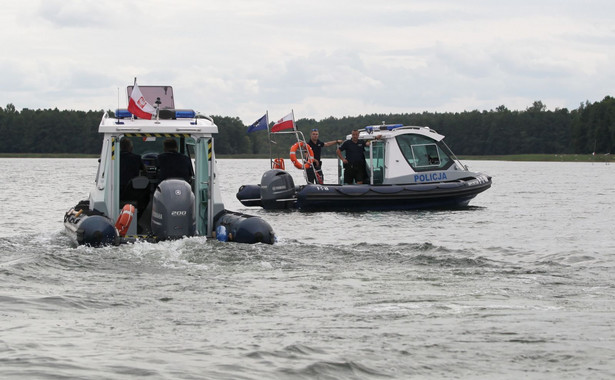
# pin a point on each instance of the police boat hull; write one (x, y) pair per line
(441, 195)
(436, 195)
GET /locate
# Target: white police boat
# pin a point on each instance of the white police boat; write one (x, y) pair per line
(154, 210)
(408, 167)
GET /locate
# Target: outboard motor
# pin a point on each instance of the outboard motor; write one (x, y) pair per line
(277, 190)
(173, 214)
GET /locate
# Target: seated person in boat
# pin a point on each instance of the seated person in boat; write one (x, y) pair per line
(314, 173)
(130, 164)
(172, 164)
(354, 162)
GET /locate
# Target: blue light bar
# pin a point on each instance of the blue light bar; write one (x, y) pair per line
(185, 114)
(179, 114)
(122, 114)
(388, 127)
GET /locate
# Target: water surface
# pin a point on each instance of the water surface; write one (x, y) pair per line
(519, 285)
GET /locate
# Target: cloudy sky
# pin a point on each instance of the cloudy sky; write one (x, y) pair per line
(320, 58)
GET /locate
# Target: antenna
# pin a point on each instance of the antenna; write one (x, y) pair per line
(117, 111)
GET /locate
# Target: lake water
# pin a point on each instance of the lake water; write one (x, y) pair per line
(519, 285)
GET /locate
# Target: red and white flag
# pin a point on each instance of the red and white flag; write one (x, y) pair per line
(138, 106)
(287, 122)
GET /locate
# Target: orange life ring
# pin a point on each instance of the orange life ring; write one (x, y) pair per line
(308, 160)
(278, 163)
(123, 221)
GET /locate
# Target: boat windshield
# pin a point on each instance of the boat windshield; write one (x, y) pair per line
(423, 153)
(156, 95)
(145, 145)
(148, 147)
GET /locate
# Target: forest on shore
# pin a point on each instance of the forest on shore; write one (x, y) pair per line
(536, 130)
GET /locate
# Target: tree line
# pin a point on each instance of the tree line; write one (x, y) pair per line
(589, 128)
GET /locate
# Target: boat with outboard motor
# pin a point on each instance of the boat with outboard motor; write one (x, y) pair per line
(149, 207)
(408, 167)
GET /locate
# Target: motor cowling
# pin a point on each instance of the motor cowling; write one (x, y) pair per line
(277, 190)
(173, 210)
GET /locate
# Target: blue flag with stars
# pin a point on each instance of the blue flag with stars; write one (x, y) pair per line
(259, 124)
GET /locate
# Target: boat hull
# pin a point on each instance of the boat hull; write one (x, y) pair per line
(87, 227)
(456, 194)
(243, 228)
(437, 195)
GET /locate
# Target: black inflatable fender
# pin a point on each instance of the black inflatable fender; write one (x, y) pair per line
(97, 231)
(243, 228)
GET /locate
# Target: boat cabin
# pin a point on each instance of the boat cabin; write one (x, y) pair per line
(407, 154)
(193, 134)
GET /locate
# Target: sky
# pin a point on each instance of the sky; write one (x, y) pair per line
(319, 58)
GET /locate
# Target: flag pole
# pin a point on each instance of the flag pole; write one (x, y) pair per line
(269, 139)
(117, 116)
(292, 112)
(134, 85)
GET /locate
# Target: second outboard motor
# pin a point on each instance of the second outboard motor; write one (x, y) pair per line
(277, 190)
(173, 214)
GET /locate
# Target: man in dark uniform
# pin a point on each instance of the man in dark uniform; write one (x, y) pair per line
(314, 173)
(172, 164)
(130, 164)
(354, 162)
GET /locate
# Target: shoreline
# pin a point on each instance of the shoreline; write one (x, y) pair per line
(511, 157)
(543, 157)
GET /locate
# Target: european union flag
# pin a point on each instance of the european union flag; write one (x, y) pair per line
(259, 124)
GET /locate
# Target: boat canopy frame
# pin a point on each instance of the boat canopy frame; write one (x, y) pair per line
(201, 129)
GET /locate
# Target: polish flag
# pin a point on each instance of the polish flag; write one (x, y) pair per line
(287, 122)
(138, 106)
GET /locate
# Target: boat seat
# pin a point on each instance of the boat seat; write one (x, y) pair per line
(139, 183)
